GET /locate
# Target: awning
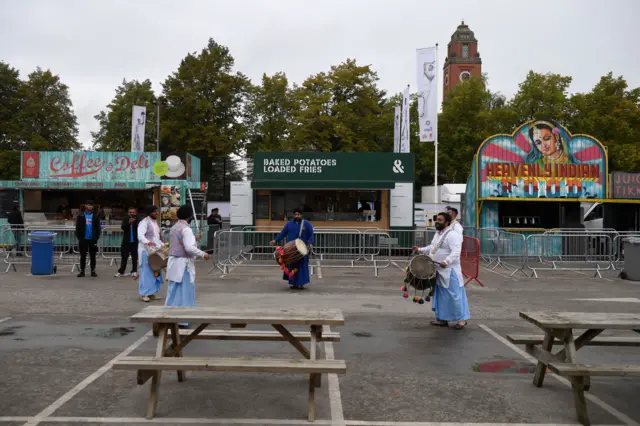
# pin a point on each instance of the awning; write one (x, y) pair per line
(321, 184)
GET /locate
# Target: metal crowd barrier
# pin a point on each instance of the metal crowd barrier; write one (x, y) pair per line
(537, 250)
(65, 246)
(335, 249)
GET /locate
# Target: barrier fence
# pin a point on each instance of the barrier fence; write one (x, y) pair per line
(525, 251)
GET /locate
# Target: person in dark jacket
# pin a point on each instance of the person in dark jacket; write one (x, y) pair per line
(88, 233)
(129, 243)
(17, 224)
(214, 222)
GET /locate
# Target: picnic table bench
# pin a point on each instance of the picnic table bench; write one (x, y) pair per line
(165, 322)
(558, 328)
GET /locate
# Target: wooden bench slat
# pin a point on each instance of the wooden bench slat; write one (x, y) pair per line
(533, 339)
(259, 335)
(245, 364)
(568, 369)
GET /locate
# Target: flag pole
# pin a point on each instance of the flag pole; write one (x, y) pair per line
(435, 184)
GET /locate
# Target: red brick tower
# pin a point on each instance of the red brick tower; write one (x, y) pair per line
(463, 59)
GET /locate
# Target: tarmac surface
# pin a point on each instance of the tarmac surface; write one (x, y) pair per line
(59, 335)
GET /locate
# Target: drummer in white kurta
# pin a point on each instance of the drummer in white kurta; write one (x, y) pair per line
(450, 299)
(148, 241)
(455, 225)
(181, 269)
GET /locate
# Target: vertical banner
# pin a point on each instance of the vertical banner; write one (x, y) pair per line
(396, 129)
(138, 122)
(426, 62)
(404, 139)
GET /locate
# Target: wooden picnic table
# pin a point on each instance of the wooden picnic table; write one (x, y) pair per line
(558, 328)
(165, 321)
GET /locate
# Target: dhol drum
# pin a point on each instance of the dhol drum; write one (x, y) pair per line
(421, 273)
(159, 258)
(291, 253)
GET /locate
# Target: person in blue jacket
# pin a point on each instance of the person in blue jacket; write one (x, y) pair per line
(298, 228)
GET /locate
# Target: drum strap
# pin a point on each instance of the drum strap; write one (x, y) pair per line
(301, 228)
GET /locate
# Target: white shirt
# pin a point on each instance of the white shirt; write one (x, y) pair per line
(455, 225)
(155, 239)
(177, 265)
(449, 252)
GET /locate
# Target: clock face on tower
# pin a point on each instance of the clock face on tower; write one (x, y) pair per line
(446, 78)
(465, 76)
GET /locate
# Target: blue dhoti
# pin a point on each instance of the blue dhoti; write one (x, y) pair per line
(450, 304)
(149, 284)
(301, 277)
(181, 293)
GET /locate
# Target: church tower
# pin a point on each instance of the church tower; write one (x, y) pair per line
(463, 59)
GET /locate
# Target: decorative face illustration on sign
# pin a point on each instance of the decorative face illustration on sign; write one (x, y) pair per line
(542, 160)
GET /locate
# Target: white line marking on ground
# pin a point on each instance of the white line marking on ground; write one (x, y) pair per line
(173, 421)
(614, 299)
(5, 319)
(335, 399)
(617, 414)
(83, 384)
(373, 423)
(14, 419)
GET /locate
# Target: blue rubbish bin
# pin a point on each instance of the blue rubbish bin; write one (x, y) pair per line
(42, 244)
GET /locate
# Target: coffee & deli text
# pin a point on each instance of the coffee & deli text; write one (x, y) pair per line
(299, 165)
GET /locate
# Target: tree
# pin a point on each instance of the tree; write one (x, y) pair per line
(342, 110)
(611, 113)
(10, 107)
(47, 113)
(542, 96)
(223, 172)
(205, 106)
(114, 133)
(270, 110)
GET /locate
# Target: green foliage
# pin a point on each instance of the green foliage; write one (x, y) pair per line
(35, 115)
(114, 133)
(269, 112)
(542, 96)
(205, 105)
(47, 113)
(341, 110)
(223, 172)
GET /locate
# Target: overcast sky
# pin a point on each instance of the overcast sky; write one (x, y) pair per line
(93, 45)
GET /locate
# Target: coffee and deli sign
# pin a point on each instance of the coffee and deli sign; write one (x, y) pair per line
(90, 166)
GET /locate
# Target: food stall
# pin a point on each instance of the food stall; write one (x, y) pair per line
(55, 185)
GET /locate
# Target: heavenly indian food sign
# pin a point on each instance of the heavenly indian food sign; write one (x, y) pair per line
(90, 166)
(541, 159)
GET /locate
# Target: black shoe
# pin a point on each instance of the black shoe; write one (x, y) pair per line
(81, 274)
(93, 274)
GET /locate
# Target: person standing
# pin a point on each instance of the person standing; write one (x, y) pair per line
(129, 243)
(181, 269)
(214, 222)
(149, 240)
(450, 299)
(298, 228)
(88, 233)
(455, 225)
(17, 225)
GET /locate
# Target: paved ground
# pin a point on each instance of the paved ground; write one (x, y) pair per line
(58, 335)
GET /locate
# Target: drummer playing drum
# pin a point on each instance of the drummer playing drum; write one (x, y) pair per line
(450, 299)
(298, 228)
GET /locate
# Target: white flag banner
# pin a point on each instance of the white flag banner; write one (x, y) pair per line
(427, 68)
(396, 129)
(138, 122)
(404, 138)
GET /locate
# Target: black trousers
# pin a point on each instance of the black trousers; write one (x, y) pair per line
(126, 250)
(90, 246)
